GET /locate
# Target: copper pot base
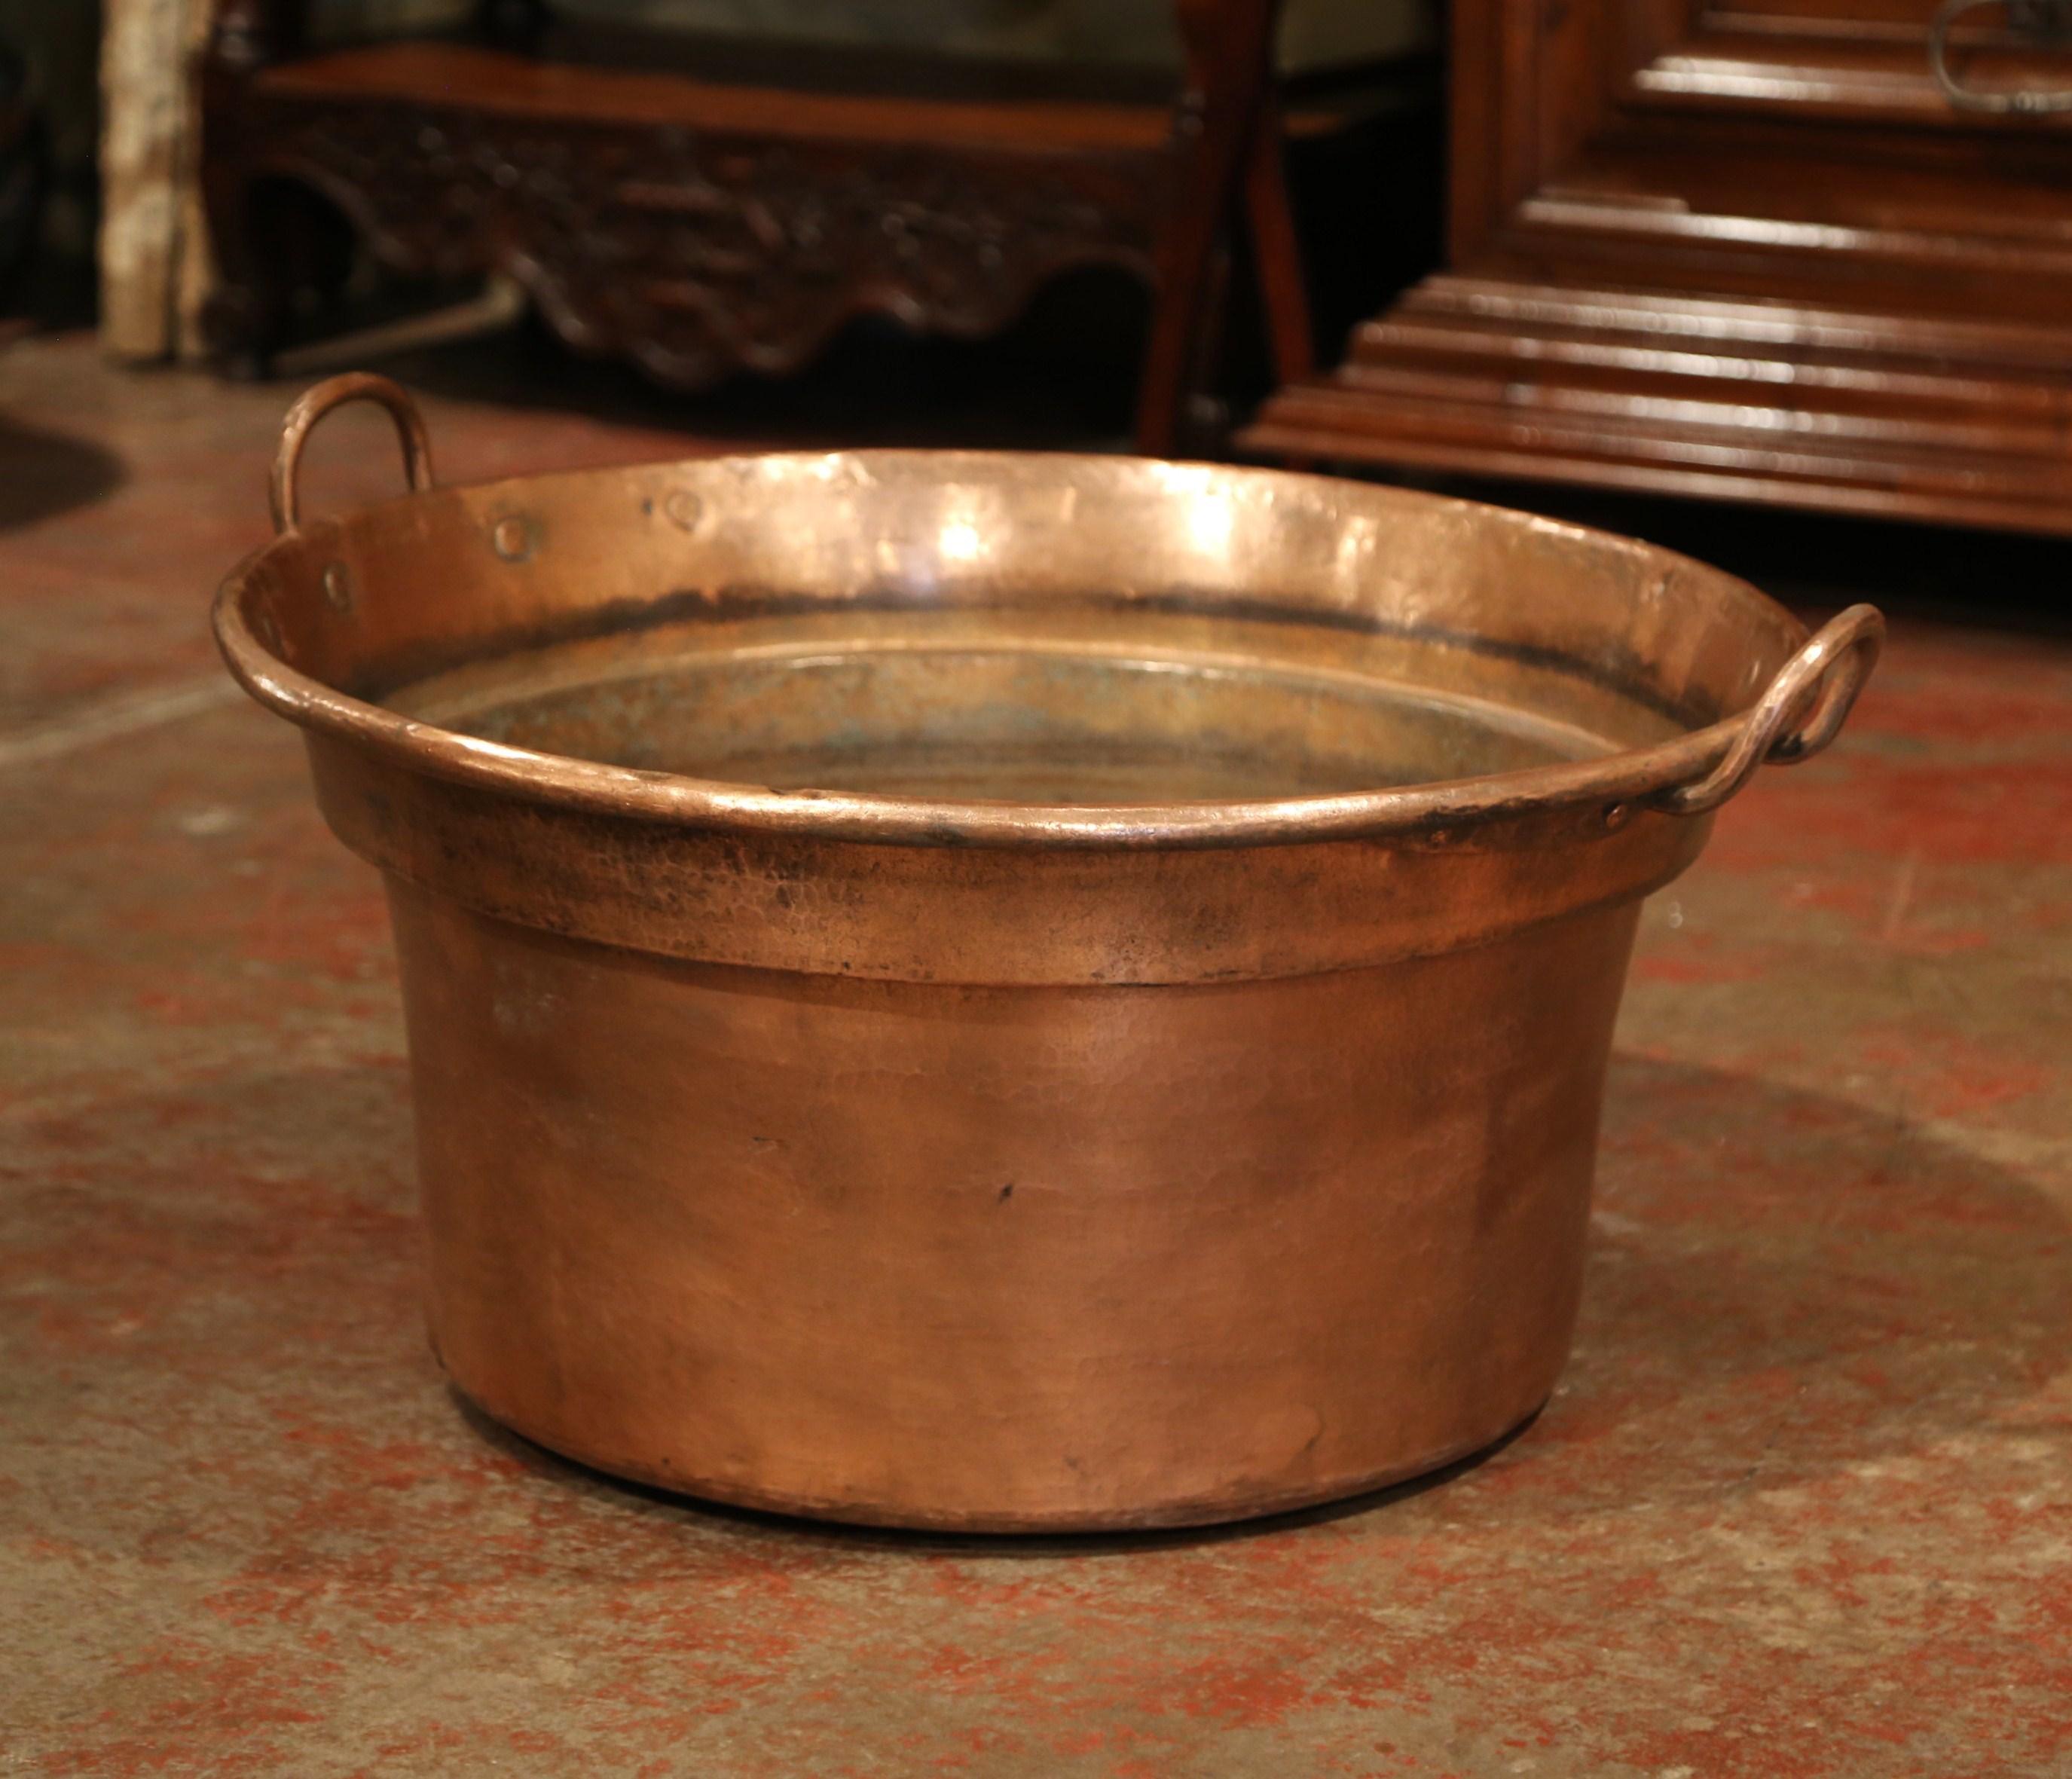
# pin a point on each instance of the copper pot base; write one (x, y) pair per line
(1166, 1516)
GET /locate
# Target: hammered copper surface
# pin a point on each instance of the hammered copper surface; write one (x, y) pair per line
(1009, 992)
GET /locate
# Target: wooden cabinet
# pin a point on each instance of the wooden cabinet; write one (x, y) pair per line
(1752, 251)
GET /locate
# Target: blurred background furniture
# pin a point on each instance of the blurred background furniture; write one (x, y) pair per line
(1745, 249)
(49, 139)
(702, 199)
(25, 171)
(154, 271)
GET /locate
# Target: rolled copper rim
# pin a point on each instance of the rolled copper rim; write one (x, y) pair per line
(1632, 777)
(1688, 775)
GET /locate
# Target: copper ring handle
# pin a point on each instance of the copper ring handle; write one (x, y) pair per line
(2023, 101)
(1835, 663)
(283, 495)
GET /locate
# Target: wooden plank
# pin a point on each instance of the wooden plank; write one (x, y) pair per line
(431, 74)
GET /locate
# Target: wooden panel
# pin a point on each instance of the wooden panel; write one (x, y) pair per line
(1842, 19)
(1849, 81)
(1762, 258)
(428, 73)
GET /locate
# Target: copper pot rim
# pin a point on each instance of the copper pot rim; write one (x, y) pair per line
(595, 787)
(1620, 782)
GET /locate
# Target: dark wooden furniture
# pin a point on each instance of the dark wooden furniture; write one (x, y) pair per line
(700, 225)
(1750, 249)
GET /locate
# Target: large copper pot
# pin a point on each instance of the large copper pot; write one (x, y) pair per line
(1009, 991)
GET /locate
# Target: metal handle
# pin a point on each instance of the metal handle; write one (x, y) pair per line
(2041, 21)
(1834, 664)
(285, 497)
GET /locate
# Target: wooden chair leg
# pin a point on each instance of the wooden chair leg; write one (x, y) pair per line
(244, 321)
(1229, 48)
(1284, 293)
(1185, 268)
(1187, 320)
(1202, 420)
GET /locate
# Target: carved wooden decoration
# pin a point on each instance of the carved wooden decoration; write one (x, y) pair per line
(1750, 250)
(700, 228)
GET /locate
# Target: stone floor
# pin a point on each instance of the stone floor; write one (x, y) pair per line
(1802, 1508)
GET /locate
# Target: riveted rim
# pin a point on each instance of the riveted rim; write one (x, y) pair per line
(1619, 781)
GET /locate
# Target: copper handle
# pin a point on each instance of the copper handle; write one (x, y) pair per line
(285, 497)
(1835, 663)
(2048, 21)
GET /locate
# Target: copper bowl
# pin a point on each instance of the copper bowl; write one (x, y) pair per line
(1009, 991)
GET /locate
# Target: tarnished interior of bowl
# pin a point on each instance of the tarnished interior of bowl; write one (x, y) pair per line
(1003, 647)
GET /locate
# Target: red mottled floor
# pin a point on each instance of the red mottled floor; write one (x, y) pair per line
(1802, 1507)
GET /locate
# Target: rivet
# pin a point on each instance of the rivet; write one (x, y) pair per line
(1617, 814)
(338, 587)
(684, 509)
(511, 538)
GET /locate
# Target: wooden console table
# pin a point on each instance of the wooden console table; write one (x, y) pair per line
(1741, 248)
(701, 223)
